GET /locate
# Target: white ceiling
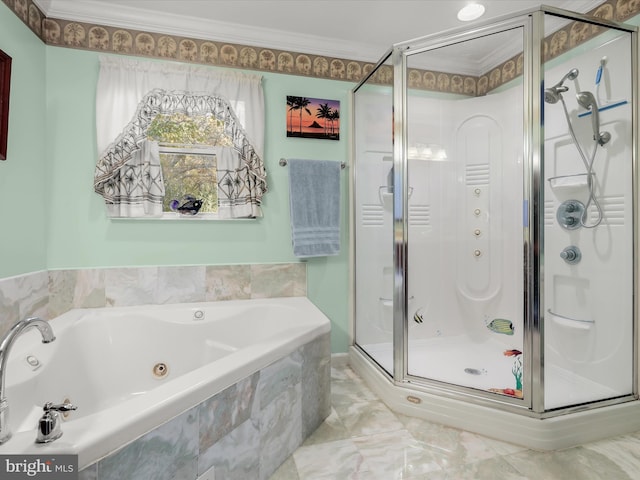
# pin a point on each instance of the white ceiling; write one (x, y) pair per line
(354, 29)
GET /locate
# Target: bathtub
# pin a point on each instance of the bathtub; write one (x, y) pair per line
(131, 369)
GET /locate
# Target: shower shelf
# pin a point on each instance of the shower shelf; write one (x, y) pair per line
(571, 322)
(570, 185)
(572, 181)
(385, 192)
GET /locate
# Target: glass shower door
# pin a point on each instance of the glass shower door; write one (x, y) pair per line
(588, 221)
(465, 214)
(373, 198)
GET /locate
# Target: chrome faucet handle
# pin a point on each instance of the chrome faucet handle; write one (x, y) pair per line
(49, 425)
(62, 407)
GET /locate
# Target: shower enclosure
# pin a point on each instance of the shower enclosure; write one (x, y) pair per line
(494, 228)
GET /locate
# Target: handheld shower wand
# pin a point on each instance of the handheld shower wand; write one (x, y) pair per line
(588, 101)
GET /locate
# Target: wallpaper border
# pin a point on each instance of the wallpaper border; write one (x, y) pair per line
(95, 37)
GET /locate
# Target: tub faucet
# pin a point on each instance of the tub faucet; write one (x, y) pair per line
(6, 343)
(49, 425)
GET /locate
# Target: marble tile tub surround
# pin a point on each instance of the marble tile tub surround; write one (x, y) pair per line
(51, 293)
(244, 432)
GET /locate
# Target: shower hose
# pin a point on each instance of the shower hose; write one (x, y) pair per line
(588, 163)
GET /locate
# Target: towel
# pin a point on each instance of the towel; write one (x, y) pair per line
(314, 199)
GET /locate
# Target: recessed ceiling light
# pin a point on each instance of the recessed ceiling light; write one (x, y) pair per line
(470, 12)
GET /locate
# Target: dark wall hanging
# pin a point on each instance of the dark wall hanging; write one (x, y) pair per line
(5, 80)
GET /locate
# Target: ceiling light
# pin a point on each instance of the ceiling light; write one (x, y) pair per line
(470, 12)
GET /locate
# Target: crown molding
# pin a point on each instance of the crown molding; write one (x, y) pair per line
(133, 18)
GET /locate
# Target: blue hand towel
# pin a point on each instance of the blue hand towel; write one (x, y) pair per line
(314, 198)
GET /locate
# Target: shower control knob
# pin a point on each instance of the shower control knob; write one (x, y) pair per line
(477, 232)
(569, 214)
(571, 255)
(477, 212)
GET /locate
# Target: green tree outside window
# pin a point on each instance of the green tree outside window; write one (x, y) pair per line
(187, 173)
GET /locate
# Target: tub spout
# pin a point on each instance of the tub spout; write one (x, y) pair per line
(5, 346)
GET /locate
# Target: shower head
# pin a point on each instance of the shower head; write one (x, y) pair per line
(553, 94)
(588, 101)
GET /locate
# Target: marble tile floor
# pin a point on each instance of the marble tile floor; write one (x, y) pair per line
(363, 440)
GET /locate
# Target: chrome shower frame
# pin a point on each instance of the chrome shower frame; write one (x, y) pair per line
(532, 404)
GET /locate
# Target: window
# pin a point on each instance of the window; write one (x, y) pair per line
(189, 174)
(207, 126)
(187, 147)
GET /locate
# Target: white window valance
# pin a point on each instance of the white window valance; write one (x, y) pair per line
(131, 93)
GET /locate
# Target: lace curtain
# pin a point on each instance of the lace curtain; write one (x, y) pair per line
(130, 95)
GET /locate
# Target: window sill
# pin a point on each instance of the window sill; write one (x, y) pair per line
(170, 216)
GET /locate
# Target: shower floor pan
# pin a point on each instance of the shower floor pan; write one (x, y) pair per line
(457, 360)
(460, 361)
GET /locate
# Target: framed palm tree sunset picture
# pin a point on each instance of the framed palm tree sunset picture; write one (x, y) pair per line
(313, 118)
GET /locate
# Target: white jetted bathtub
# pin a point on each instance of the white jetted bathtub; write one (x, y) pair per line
(130, 369)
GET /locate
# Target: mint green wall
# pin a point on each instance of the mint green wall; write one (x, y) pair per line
(51, 219)
(80, 235)
(23, 188)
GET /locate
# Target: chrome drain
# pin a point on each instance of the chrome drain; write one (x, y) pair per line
(160, 370)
